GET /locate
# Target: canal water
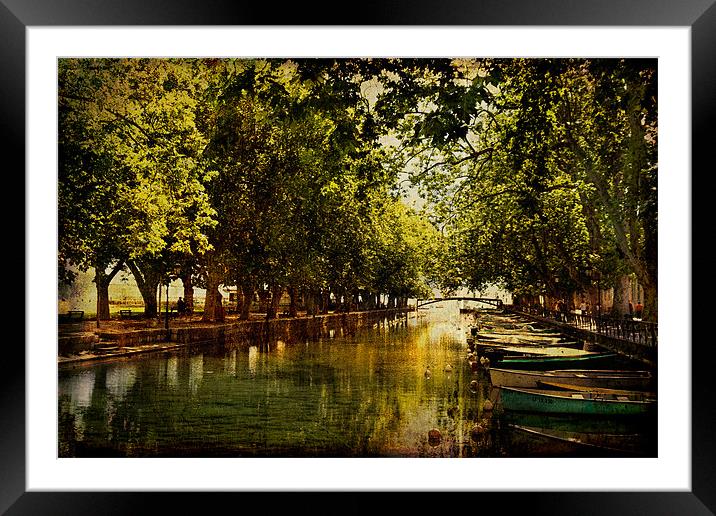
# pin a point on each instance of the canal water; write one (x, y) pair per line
(356, 393)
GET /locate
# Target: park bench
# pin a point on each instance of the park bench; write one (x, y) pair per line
(125, 314)
(76, 315)
(72, 315)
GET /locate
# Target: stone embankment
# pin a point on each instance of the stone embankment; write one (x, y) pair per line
(80, 343)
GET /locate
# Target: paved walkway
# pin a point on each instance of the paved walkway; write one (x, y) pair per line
(632, 330)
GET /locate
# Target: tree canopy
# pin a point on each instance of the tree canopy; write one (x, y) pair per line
(540, 175)
(543, 174)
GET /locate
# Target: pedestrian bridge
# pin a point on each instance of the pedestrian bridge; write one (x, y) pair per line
(497, 303)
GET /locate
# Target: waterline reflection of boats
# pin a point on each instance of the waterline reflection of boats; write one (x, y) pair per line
(581, 423)
(537, 441)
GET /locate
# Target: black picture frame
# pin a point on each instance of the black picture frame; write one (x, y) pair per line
(699, 15)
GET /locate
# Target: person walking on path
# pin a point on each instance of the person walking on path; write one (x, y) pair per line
(563, 310)
(638, 310)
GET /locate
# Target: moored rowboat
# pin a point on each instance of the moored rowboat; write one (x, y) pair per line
(519, 335)
(606, 379)
(547, 362)
(498, 351)
(561, 343)
(582, 388)
(535, 349)
(575, 402)
(512, 341)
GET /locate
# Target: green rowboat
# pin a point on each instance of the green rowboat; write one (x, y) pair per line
(575, 402)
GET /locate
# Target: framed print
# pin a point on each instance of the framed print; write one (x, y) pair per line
(40, 475)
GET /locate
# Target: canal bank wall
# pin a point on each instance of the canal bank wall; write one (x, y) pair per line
(86, 345)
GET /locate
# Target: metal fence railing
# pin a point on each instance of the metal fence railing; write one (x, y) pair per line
(633, 330)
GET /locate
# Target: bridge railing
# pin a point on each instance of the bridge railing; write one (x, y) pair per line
(487, 300)
(633, 330)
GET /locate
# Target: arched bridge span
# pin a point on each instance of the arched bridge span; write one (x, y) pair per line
(497, 303)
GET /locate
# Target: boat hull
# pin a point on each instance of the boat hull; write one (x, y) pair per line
(567, 402)
(625, 380)
(516, 337)
(520, 350)
(499, 352)
(547, 363)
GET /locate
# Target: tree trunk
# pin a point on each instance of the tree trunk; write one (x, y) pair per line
(209, 302)
(263, 300)
(346, 297)
(239, 298)
(102, 299)
(102, 282)
(239, 301)
(310, 302)
(651, 280)
(147, 281)
(188, 292)
(325, 301)
(651, 309)
(273, 307)
(369, 301)
(622, 294)
(213, 308)
(347, 301)
(248, 295)
(292, 309)
(593, 300)
(219, 307)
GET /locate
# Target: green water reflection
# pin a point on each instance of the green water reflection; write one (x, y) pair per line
(359, 395)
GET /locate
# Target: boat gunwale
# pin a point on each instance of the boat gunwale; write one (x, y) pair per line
(554, 358)
(590, 373)
(563, 396)
(592, 389)
(539, 350)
